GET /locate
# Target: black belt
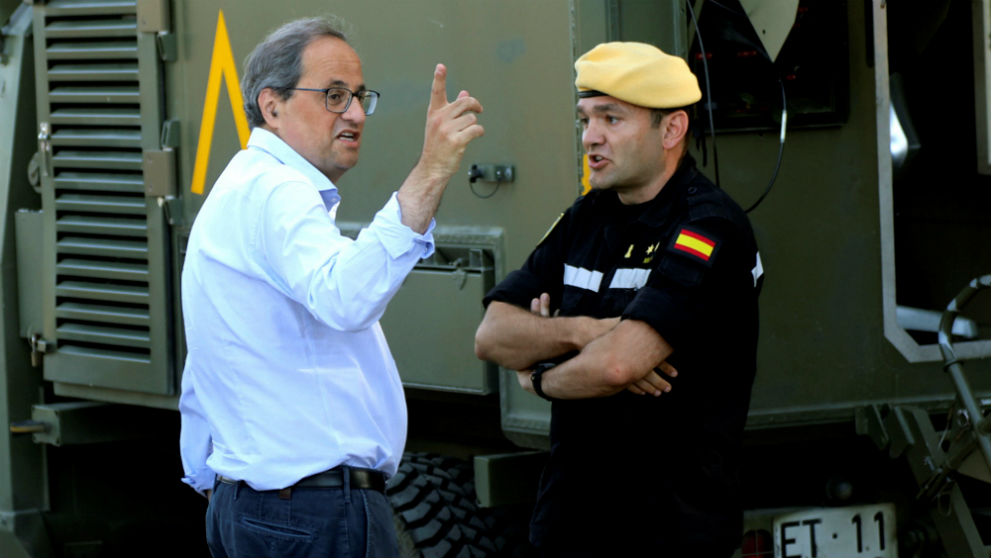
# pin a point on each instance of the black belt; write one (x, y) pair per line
(368, 479)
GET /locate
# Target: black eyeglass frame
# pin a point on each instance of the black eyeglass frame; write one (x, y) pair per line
(365, 93)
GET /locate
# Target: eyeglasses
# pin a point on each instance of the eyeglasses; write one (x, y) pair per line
(338, 99)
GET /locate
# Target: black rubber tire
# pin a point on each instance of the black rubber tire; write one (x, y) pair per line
(434, 509)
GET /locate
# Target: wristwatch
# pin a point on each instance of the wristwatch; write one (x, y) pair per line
(535, 378)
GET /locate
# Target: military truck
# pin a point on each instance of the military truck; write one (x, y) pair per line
(856, 132)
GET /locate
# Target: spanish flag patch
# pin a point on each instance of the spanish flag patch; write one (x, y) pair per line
(694, 244)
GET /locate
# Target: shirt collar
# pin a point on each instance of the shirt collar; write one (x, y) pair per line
(273, 145)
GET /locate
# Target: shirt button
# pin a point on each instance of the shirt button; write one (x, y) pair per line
(692, 189)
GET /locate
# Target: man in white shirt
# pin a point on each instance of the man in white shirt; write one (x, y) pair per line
(292, 407)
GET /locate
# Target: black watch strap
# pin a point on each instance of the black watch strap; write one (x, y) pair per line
(535, 378)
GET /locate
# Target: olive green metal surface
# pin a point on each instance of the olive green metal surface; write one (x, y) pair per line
(23, 489)
(104, 247)
(822, 348)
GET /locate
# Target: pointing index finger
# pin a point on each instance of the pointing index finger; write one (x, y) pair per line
(439, 96)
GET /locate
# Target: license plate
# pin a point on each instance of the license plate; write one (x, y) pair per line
(852, 532)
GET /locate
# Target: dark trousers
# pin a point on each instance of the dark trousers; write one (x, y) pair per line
(243, 522)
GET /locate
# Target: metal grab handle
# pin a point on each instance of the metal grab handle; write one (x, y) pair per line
(953, 366)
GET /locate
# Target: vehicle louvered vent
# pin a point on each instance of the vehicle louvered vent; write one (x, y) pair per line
(102, 292)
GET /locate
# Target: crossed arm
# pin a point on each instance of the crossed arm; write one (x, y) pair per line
(613, 355)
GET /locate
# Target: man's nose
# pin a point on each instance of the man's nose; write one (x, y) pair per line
(355, 112)
(591, 136)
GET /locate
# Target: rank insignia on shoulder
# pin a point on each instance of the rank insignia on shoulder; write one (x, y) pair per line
(695, 244)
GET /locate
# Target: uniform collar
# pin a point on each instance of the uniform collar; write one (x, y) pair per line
(654, 211)
(673, 190)
(273, 145)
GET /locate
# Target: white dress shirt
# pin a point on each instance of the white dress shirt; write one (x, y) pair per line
(287, 372)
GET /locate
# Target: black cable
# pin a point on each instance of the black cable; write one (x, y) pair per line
(781, 149)
(471, 186)
(709, 97)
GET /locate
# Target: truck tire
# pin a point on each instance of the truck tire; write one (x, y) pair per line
(434, 510)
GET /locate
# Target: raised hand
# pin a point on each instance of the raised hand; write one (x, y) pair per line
(450, 127)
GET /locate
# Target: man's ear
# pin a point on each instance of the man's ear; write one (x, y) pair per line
(676, 125)
(269, 103)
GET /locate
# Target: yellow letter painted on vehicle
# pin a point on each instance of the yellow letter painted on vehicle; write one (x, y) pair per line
(221, 65)
(585, 175)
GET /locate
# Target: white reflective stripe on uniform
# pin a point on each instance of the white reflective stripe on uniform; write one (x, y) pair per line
(630, 278)
(583, 278)
(757, 271)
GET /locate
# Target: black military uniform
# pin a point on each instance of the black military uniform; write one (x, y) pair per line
(641, 475)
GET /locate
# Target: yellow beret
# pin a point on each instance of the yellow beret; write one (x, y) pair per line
(638, 73)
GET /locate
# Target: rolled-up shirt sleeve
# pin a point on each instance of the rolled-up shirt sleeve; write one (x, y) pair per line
(398, 238)
(344, 283)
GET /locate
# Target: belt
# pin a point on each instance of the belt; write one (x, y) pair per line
(368, 479)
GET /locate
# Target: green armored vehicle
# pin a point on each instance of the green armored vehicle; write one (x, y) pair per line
(857, 131)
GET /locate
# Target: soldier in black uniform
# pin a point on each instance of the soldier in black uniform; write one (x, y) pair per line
(637, 317)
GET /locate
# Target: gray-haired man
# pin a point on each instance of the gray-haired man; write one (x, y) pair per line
(292, 408)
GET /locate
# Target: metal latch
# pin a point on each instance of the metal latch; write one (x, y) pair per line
(490, 173)
(159, 165)
(154, 17)
(38, 347)
(44, 146)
